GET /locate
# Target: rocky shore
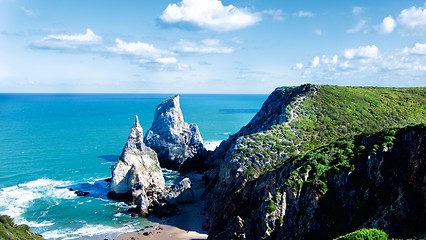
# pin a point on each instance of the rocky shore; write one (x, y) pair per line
(296, 171)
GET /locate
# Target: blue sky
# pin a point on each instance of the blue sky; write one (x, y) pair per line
(208, 46)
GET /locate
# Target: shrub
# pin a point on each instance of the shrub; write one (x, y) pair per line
(365, 234)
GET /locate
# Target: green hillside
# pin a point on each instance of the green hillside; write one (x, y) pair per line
(10, 231)
(325, 114)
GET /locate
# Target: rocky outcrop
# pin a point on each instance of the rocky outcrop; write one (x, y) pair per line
(263, 189)
(137, 175)
(174, 140)
(380, 184)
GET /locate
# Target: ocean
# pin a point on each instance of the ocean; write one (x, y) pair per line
(53, 142)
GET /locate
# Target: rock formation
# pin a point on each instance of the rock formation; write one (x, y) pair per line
(174, 140)
(137, 175)
(272, 183)
(383, 189)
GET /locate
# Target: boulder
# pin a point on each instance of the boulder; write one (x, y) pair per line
(174, 140)
(138, 172)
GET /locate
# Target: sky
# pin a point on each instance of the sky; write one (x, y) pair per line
(209, 46)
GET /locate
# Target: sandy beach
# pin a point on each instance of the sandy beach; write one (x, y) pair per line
(185, 224)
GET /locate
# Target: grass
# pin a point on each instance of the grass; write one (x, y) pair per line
(10, 231)
(330, 114)
(365, 234)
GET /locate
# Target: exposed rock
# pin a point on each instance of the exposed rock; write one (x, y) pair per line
(384, 190)
(255, 186)
(137, 175)
(182, 193)
(174, 140)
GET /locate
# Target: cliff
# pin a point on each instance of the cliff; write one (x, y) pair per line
(174, 140)
(137, 175)
(260, 190)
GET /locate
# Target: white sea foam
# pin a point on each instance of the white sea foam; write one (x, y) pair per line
(88, 230)
(211, 145)
(15, 200)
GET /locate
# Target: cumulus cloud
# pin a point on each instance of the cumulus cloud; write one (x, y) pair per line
(370, 51)
(210, 15)
(145, 54)
(388, 25)
(303, 14)
(68, 41)
(413, 18)
(298, 66)
(315, 62)
(418, 49)
(365, 63)
(205, 46)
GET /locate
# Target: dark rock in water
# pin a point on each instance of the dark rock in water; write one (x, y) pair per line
(137, 173)
(71, 189)
(81, 193)
(174, 140)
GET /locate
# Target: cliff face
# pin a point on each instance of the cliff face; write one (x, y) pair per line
(384, 189)
(174, 140)
(137, 174)
(264, 188)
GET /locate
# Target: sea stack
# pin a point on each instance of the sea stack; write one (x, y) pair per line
(137, 175)
(174, 140)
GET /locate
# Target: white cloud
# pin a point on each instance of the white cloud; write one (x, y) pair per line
(167, 60)
(145, 54)
(418, 49)
(370, 51)
(138, 48)
(210, 15)
(359, 26)
(315, 62)
(303, 14)
(205, 46)
(388, 25)
(65, 41)
(299, 66)
(413, 18)
(356, 10)
(368, 66)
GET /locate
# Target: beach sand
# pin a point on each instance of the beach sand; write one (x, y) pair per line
(185, 225)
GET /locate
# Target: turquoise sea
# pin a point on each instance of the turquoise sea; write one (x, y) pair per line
(52, 142)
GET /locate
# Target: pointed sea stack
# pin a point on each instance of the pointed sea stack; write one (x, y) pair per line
(174, 140)
(137, 176)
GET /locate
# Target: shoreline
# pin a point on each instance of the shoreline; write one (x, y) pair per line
(184, 225)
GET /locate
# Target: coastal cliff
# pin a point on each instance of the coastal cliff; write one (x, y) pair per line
(137, 175)
(260, 191)
(174, 140)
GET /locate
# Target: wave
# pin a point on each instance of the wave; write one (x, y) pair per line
(88, 230)
(211, 145)
(16, 199)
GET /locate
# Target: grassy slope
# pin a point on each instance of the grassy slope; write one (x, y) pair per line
(10, 231)
(334, 113)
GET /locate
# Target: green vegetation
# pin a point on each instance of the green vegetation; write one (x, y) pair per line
(270, 208)
(322, 118)
(10, 231)
(334, 157)
(364, 234)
